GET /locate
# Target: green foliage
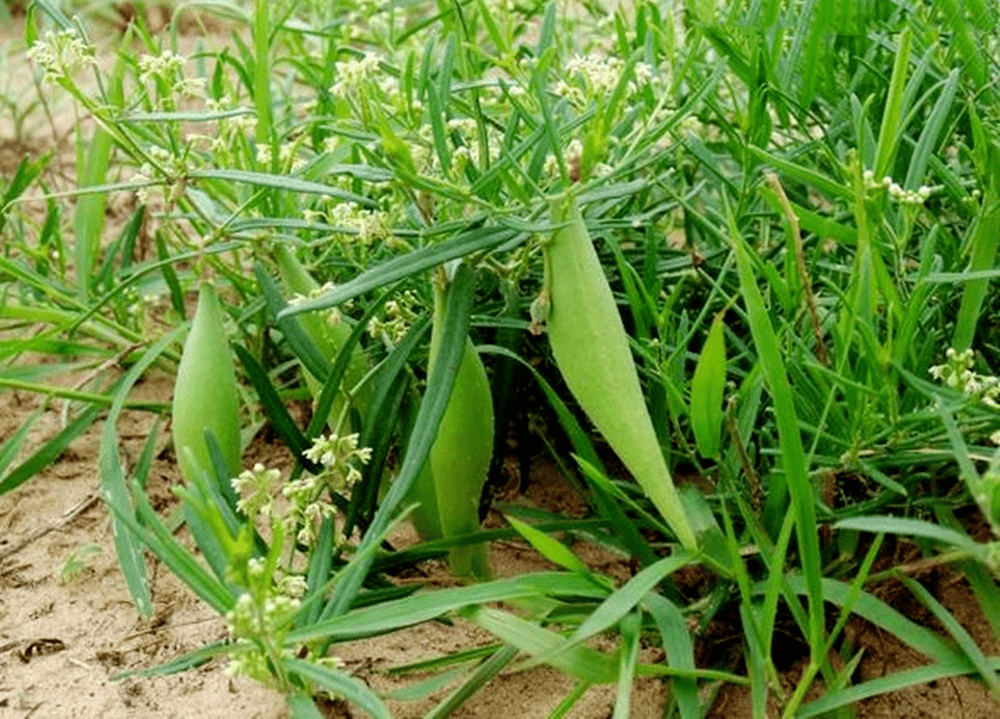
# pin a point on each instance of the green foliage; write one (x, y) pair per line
(643, 173)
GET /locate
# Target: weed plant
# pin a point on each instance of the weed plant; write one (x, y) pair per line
(795, 205)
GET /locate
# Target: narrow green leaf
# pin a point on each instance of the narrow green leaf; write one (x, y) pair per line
(389, 616)
(803, 174)
(301, 343)
(280, 182)
(454, 334)
(790, 440)
(707, 387)
(484, 674)
(183, 663)
(50, 452)
(115, 490)
(342, 685)
(932, 129)
(550, 548)
(679, 647)
(959, 634)
(10, 448)
(475, 240)
(301, 706)
(579, 661)
(625, 599)
(275, 410)
(892, 117)
(915, 527)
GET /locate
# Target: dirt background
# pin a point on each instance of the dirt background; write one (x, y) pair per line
(63, 637)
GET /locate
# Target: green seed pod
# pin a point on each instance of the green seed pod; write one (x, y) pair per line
(592, 352)
(450, 484)
(205, 393)
(329, 338)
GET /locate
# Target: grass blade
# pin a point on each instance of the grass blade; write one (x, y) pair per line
(790, 440)
(114, 489)
(340, 684)
(454, 334)
(478, 239)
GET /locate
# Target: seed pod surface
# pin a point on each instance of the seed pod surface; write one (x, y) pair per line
(205, 393)
(592, 352)
(451, 483)
(329, 338)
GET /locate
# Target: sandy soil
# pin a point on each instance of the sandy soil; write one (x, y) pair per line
(64, 634)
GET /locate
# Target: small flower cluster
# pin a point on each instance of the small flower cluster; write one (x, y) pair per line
(171, 167)
(366, 225)
(272, 591)
(339, 457)
(164, 66)
(256, 488)
(957, 373)
(600, 75)
(354, 74)
(400, 314)
(468, 151)
(232, 132)
(166, 70)
(896, 192)
(289, 161)
(61, 54)
(260, 622)
(333, 316)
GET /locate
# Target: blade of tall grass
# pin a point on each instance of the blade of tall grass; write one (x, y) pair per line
(985, 241)
(629, 629)
(896, 681)
(275, 410)
(51, 451)
(88, 218)
(614, 609)
(581, 662)
(304, 347)
(114, 489)
(188, 660)
(281, 182)
(707, 387)
(803, 174)
(340, 367)
(967, 644)
(340, 684)
(454, 334)
(979, 576)
(389, 616)
(550, 548)
(796, 476)
(892, 128)
(474, 240)
(882, 615)
(677, 643)
(12, 445)
(484, 674)
(928, 140)
(383, 414)
(301, 706)
(915, 527)
(27, 172)
(569, 701)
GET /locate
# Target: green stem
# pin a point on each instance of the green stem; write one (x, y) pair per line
(79, 396)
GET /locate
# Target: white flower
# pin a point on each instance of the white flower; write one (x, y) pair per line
(353, 74)
(61, 54)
